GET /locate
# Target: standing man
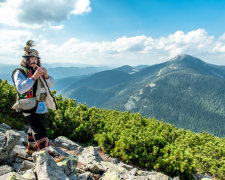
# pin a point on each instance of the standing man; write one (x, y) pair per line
(33, 98)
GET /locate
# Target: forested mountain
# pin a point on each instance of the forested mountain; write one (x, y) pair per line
(184, 91)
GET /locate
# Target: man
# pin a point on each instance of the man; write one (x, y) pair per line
(32, 83)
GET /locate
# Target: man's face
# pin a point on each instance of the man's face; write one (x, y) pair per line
(33, 62)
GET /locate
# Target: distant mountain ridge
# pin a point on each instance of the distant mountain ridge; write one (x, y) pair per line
(184, 91)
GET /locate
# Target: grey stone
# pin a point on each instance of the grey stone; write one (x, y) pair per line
(128, 167)
(29, 174)
(115, 161)
(115, 167)
(7, 143)
(79, 171)
(21, 150)
(5, 126)
(73, 176)
(63, 153)
(23, 138)
(134, 171)
(89, 155)
(94, 167)
(201, 176)
(4, 169)
(98, 148)
(12, 176)
(85, 176)
(12, 139)
(17, 166)
(2, 141)
(26, 165)
(46, 167)
(111, 174)
(65, 142)
(2, 130)
(68, 164)
(18, 149)
(80, 149)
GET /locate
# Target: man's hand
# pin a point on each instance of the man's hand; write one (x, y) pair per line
(39, 72)
(45, 73)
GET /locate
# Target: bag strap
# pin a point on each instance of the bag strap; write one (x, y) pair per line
(38, 88)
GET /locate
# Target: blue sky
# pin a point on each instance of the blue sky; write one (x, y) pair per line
(112, 19)
(114, 32)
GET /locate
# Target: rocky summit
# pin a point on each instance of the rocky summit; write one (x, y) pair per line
(84, 163)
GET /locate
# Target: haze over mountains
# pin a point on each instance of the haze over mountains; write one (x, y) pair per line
(184, 91)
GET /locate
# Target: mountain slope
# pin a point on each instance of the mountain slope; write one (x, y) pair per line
(184, 91)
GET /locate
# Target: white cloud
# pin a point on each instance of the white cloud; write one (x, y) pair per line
(125, 50)
(81, 6)
(33, 14)
(60, 27)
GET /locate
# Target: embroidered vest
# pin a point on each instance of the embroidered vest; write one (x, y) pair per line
(32, 92)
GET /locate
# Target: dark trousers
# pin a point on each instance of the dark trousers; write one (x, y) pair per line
(36, 126)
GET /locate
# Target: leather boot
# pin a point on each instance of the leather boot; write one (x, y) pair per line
(43, 143)
(31, 147)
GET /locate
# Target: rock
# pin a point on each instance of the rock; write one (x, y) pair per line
(23, 138)
(115, 167)
(90, 160)
(12, 176)
(21, 150)
(63, 153)
(115, 161)
(68, 165)
(73, 176)
(5, 126)
(7, 144)
(4, 169)
(67, 143)
(134, 171)
(26, 165)
(158, 176)
(12, 139)
(128, 167)
(111, 174)
(85, 176)
(176, 178)
(94, 167)
(201, 177)
(46, 167)
(98, 148)
(17, 166)
(89, 155)
(80, 149)
(115, 171)
(2, 141)
(79, 171)
(29, 174)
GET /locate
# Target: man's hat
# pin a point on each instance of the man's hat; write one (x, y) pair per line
(30, 52)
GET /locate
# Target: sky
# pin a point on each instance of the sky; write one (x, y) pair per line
(113, 32)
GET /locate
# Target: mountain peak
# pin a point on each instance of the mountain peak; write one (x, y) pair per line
(186, 58)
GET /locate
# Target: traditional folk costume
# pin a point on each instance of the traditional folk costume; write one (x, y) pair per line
(33, 100)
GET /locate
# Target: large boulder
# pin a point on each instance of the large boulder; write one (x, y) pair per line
(29, 174)
(90, 160)
(46, 168)
(4, 169)
(90, 155)
(7, 143)
(68, 164)
(67, 143)
(12, 176)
